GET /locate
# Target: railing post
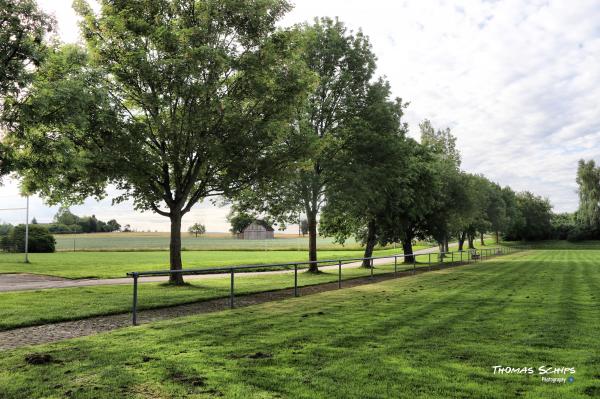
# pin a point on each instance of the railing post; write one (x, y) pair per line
(295, 280)
(428, 260)
(395, 264)
(231, 291)
(460, 256)
(452, 259)
(340, 274)
(135, 299)
(414, 262)
(372, 267)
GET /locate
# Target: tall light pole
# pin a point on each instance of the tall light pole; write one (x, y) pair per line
(27, 232)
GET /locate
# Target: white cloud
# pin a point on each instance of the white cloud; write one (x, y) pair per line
(516, 81)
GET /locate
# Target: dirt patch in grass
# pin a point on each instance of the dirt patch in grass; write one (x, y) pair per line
(38, 358)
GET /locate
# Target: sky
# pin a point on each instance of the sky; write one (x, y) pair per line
(516, 81)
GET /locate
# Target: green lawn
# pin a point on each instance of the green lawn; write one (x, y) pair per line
(27, 308)
(434, 335)
(117, 264)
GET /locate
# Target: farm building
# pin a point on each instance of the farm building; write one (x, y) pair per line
(257, 230)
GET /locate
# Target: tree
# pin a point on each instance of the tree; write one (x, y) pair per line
(535, 220)
(513, 214)
(486, 210)
(416, 218)
(5, 228)
(369, 175)
(441, 142)
(304, 226)
(22, 30)
(34, 221)
(344, 64)
(588, 181)
(239, 220)
(175, 102)
(472, 218)
(112, 225)
(66, 217)
(450, 197)
(563, 225)
(93, 224)
(497, 213)
(22, 48)
(197, 229)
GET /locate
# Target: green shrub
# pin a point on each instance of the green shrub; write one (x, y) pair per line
(40, 239)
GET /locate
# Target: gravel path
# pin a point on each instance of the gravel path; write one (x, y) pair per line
(47, 333)
(24, 281)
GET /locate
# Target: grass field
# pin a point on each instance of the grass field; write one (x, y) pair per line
(211, 242)
(556, 244)
(53, 305)
(117, 264)
(434, 335)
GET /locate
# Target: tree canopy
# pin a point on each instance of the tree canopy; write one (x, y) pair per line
(588, 180)
(171, 102)
(23, 31)
(197, 229)
(369, 174)
(344, 64)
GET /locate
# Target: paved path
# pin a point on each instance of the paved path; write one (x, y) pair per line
(24, 281)
(47, 333)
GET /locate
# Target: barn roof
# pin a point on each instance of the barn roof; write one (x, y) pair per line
(261, 223)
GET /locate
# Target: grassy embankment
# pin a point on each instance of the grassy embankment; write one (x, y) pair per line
(117, 264)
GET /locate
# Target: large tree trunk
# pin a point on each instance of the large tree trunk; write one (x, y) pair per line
(407, 248)
(312, 241)
(446, 246)
(175, 249)
(441, 249)
(461, 240)
(481, 239)
(471, 239)
(497, 237)
(370, 244)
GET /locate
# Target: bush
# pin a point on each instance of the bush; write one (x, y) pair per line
(40, 239)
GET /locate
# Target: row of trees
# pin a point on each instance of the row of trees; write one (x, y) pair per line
(66, 221)
(539, 223)
(585, 222)
(172, 102)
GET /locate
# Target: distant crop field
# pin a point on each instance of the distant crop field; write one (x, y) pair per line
(209, 242)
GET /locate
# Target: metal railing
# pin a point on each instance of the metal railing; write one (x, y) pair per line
(467, 256)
